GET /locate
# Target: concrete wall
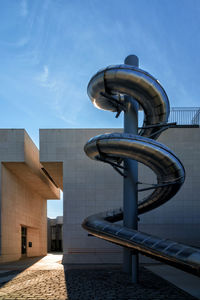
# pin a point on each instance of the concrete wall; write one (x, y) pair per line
(21, 206)
(90, 187)
(179, 218)
(24, 193)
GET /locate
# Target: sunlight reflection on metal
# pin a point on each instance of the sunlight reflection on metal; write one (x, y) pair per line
(113, 148)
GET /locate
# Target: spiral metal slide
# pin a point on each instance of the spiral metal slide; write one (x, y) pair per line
(107, 90)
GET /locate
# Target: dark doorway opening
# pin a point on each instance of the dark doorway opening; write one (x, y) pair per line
(24, 240)
(56, 238)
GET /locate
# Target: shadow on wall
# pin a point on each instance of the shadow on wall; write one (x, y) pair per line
(10, 270)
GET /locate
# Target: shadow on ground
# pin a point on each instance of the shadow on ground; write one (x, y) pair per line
(111, 283)
(46, 278)
(10, 270)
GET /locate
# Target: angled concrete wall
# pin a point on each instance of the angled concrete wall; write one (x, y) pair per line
(90, 187)
(24, 189)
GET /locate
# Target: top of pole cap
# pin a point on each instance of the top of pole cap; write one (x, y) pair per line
(132, 60)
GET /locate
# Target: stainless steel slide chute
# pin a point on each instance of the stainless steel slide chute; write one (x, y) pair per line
(107, 90)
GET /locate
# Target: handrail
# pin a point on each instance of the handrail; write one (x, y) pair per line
(185, 115)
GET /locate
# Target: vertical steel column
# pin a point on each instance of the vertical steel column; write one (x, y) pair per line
(130, 257)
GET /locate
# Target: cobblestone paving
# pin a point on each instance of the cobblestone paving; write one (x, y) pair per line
(44, 284)
(88, 284)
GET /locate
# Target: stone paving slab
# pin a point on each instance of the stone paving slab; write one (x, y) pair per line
(107, 283)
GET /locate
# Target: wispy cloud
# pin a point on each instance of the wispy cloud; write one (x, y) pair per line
(43, 77)
(23, 8)
(62, 91)
(21, 42)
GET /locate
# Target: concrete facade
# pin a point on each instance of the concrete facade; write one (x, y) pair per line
(178, 219)
(24, 190)
(55, 234)
(90, 187)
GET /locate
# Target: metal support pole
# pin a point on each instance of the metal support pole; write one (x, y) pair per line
(130, 257)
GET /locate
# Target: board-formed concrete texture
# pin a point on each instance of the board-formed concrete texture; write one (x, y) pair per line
(24, 190)
(89, 189)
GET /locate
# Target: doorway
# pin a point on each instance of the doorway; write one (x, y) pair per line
(24, 241)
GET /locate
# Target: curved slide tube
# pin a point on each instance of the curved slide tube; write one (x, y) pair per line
(106, 90)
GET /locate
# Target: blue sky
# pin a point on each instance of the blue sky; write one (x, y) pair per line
(49, 50)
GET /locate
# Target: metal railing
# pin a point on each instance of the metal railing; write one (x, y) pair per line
(185, 115)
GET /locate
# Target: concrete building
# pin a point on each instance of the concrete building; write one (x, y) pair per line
(24, 189)
(54, 234)
(90, 187)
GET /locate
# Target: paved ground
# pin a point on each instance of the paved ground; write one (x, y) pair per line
(183, 280)
(46, 278)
